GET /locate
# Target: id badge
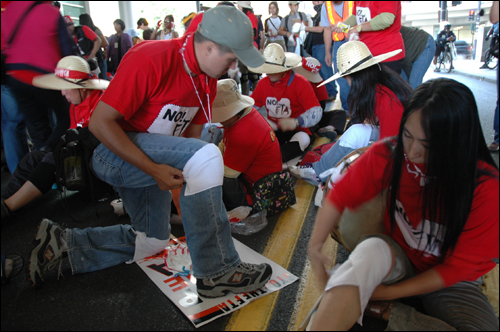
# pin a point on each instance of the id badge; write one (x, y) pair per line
(116, 45)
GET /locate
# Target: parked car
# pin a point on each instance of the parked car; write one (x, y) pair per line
(463, 48)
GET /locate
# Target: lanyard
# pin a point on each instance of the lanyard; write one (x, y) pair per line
(208, 115)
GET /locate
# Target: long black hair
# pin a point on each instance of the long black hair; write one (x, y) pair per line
(85, 19)
(456, 143)
(361, 98)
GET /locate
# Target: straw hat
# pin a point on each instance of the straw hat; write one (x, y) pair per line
(309, 68)
(245, 4)
(72, 72)
(277, 60)
(354, 56)
(229, 101)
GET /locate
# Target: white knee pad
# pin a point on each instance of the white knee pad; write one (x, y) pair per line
(357, 136)
(366, 267)
(302, 138)
(147, 246)
(205, 170)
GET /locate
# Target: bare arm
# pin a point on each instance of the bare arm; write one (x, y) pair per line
(282, 32)
(314, 29)
(494, 12)
(328, 218)
(97, 46)
(327, 38)
(193, 131)
(104, 125)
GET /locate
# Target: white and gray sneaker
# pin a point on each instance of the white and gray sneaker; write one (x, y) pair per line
(306, 173)
(47, 252)
(244, 278)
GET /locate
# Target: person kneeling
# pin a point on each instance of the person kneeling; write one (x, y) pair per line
(250, 148)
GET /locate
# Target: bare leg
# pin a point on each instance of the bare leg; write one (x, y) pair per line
(27, 193)
(339, 310)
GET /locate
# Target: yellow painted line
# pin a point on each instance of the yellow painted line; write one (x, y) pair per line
(280, 247)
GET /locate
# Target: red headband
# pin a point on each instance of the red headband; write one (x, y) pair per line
(71, 74)
(309, 66)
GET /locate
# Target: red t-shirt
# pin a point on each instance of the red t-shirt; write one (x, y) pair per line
(284, 100)
(383, 41)
(321, 92)
(478, 242)
(251, 148)
(88, 33)
(153, 91)
(80, 114)
(255, 27)
(388, 110)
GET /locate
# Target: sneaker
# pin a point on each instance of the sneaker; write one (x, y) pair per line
(243, 279)
(47, 252)
(437, 70)
(305, 173)
(328, 132)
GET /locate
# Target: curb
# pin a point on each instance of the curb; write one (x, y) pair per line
(477, 76)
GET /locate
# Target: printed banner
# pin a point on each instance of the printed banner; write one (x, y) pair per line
(181, 289)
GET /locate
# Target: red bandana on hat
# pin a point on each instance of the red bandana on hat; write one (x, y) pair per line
(309, 66)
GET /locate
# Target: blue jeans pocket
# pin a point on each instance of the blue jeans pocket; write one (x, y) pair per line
(104, 170)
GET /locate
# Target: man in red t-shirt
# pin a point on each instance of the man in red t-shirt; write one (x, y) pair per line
(249, 146)
(289, 99)
(86, 40)
(148, 124)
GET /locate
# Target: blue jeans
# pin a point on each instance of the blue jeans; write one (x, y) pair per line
(344, 86)
(204, 216)
(318, 52)
(344, 146)
(15, 140)
(421, 65)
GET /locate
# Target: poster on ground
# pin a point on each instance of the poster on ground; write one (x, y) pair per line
(181, 288)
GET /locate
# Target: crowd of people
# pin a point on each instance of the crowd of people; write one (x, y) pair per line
(270, 84)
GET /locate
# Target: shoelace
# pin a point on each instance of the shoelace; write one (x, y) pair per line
(53, 264)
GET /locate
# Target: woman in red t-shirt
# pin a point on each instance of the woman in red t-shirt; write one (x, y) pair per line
(376, 102)
(440, 221)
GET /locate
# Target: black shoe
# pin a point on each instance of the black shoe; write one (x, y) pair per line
(243, 279)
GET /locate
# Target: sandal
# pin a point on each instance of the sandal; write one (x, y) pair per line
(378, 309)
(17, 266)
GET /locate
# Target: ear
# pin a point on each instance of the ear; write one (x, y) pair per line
(210, 47)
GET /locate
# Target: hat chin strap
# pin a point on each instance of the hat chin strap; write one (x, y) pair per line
(356, 65)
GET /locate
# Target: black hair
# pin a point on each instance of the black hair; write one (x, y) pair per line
(247, 10)
(225, 3)
(122, 24)
(275, 3)
(141, 21)
(456, 144)
(362, 94)
(199, 38)
(85, 19)
(146, 35)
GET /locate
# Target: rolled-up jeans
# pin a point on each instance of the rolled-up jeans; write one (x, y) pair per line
(357, 136)
(205, 219)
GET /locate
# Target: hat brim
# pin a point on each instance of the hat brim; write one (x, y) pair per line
(292, 60)
(221, 114)
(369, 63)
(311, 77)
(52, 82)
(250, 57)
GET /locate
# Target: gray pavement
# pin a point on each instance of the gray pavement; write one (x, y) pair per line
(123, 297)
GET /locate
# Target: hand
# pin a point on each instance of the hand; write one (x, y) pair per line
(328, 59)
(287, 124)
(168, 177)
(336, 28)
(318, 263)
(352, 31)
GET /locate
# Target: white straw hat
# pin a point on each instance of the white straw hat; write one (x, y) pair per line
(229, 101)
(277, 60)
(354, 56)
(309, 68)
(72, 72)
(245, 4)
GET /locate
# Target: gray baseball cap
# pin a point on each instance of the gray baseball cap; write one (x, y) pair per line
(230, 27)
